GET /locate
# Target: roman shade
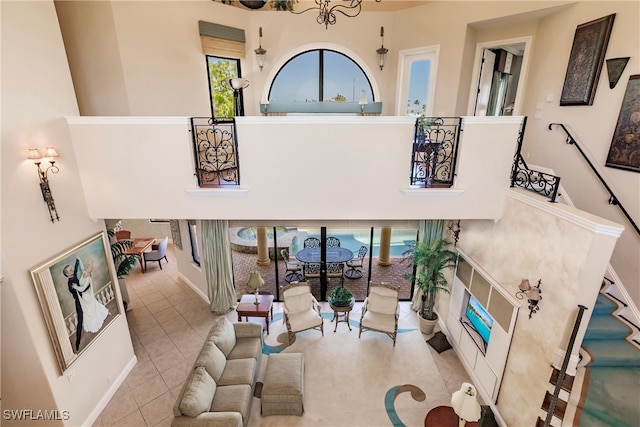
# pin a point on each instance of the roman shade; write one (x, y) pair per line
(221, 40)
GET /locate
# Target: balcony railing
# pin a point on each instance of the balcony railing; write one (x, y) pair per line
(542, 183)
(435, 149)
(215, 147)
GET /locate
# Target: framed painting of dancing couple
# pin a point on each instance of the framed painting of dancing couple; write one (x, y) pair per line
(78, 297)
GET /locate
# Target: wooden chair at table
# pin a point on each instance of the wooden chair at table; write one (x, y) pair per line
(123, 235)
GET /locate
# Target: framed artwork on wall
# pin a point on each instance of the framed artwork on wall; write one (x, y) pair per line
(624, 152)
(78, 297)
(585, 61)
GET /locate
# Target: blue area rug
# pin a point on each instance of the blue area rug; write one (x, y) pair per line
(612, 384)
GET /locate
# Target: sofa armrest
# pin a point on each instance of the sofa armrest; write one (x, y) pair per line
(206, 419)
(248, 330)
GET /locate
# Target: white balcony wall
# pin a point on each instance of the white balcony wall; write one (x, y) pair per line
(292, 167)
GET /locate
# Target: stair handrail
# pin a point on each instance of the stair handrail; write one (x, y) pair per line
(613, 199)
(565, 364)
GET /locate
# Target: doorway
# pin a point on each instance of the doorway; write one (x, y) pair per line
(498, 77)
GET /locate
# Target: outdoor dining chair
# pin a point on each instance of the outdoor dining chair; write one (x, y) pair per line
(293, 268)
(355, 265)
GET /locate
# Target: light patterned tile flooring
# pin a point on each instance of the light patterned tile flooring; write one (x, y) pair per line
(168, 323)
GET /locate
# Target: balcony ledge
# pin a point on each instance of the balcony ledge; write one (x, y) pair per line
(421, 191)
(235, 191)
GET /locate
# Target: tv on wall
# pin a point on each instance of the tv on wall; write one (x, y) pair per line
(477, 321)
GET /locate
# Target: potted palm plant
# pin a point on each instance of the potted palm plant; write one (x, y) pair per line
(429, 260)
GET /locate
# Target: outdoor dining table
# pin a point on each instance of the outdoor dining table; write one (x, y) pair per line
(335, 255)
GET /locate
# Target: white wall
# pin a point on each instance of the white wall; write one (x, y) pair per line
(324, 167)
(37, 93)
(592, 126)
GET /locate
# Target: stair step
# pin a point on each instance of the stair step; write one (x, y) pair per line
(561, 405)
(604, 305)
(606, 327)
(612, 398)
(567, 383)
(613, 353)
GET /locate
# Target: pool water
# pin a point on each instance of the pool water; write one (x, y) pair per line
(401, 241)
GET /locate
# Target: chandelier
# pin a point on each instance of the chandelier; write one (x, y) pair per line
(327, 12)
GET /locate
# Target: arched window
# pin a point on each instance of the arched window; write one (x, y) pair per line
(320, 75)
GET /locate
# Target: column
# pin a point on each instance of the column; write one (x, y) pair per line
(263, 249)
(385, 246)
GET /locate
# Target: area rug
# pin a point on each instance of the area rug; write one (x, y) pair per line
(358, 382)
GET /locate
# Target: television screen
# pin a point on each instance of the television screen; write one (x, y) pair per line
(479, 318)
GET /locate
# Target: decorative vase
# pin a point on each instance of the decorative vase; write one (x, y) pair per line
(426, 326)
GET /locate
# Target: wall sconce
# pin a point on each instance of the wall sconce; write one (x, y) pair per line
(261, 54)
(255, 282)
(34, 154)
(465, 404)
(532, 293)
(454, 230)
(382, 52)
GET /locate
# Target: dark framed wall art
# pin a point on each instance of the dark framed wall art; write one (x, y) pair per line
(78, 297)
(585, 61)
(624, 152)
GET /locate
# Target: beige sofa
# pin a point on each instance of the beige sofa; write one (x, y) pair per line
(219, 388)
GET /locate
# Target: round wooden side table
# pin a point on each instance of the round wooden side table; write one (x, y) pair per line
(443, 416)
(344, 310)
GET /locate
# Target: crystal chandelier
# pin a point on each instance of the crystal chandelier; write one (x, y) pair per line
(327, 12)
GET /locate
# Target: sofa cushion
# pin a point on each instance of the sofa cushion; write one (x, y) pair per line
(245, 348)
(212, 359)
(198, 394)
(233, 398)
(238, 371)
(224, 336)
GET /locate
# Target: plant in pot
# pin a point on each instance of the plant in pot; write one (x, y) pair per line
(285, 5)
(341, 297)
(123, 263)
(429, 260)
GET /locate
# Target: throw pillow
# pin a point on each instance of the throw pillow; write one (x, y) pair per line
(439, 342)
(199, 393)
(224, 336)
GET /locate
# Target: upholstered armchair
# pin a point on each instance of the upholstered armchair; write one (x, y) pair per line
(157, 254)
(380, 310)
(301, 309)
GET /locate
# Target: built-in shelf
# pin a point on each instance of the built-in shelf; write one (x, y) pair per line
(485, 360)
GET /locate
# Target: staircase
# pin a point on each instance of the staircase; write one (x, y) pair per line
(611, 393)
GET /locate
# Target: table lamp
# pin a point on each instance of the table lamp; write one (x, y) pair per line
(465, 404)
(255, 282)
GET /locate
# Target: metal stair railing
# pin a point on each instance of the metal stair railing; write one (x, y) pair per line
(531, 179)
(613, 199)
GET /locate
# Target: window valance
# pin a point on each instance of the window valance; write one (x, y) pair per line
(221, 40)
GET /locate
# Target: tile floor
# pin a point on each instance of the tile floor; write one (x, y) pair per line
(168, 323)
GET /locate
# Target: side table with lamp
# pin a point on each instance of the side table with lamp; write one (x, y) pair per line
(464, 410)
(256, 304)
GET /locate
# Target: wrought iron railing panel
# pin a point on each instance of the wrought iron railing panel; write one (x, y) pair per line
(533, 180)
(435, 149)
(215, 146)
(542, 183)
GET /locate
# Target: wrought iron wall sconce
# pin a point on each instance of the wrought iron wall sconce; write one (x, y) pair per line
(454, 230)
(261, 54)
(532, 293)
(34, 154)
(382, 51)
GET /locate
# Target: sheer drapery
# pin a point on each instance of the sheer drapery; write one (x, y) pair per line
(428, 231)
(216, 251)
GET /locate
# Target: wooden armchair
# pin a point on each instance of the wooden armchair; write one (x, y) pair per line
(380, 310)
